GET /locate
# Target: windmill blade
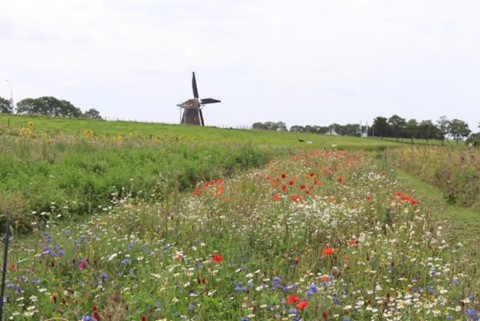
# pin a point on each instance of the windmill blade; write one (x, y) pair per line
(194, 86)
(201, 117)
(209, 101)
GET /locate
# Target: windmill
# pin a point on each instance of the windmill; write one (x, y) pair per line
(192, 113)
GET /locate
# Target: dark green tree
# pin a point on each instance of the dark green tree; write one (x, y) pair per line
(397, 123)
(427, 130)
(443, 125)
(458, 129)
(297, 128)
(92, 113)
(48, 106)
(380, 126)
(5, 106)
(412, 128)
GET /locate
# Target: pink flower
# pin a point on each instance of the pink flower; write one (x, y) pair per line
(83, 265)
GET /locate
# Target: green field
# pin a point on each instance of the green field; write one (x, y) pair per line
(143, 221)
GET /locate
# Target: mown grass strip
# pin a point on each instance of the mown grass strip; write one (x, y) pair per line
(464, 221)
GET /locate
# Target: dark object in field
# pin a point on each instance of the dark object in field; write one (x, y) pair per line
(192, 113)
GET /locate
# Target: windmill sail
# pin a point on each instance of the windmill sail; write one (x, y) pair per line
(194, 86)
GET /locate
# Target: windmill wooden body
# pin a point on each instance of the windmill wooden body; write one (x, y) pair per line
(192, 108)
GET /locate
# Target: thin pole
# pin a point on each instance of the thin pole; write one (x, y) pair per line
(4, 271)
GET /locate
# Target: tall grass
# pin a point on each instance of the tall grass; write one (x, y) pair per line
(69, 175)
(454, 170)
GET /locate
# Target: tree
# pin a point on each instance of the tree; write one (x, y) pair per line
(458, 129)
(412, 128)
(398, 123)
(5, 106)
(380, 126)
(428, 130)
(259, 126)
(297, 128)
(442, 125)
(474, 139)
(27, 106)
(92, 113)
(48, 106)
(269, 125)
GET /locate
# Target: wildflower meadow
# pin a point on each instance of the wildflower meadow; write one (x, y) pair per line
(307, 233)
(326, 235)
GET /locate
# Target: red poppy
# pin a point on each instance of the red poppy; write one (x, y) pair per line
(284, 175)
(414, 202)
(218, 258)
(369, 197)
(144, 317)
(341, 179)
(354, 242)
(303, 186)
(276, 197)
(329, 251)
(96, 315)
(293, 299)
(291, 183)
(302, 305)
(325, 278)
(284, 188)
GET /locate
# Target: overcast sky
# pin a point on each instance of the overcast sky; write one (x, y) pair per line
(303, 62)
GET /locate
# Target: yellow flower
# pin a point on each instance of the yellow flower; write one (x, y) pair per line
(31, 124)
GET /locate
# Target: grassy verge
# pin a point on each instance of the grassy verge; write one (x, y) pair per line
(464, 221)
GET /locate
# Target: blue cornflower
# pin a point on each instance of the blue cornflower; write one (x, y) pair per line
(67, 233)
(125, 261)
(313, 288)
(61, 253)
(191, 307)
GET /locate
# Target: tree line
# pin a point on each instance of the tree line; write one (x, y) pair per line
(399, 127)
(392, 127)
(47, 106)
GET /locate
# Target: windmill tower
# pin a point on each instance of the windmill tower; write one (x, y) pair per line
(192, 108)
